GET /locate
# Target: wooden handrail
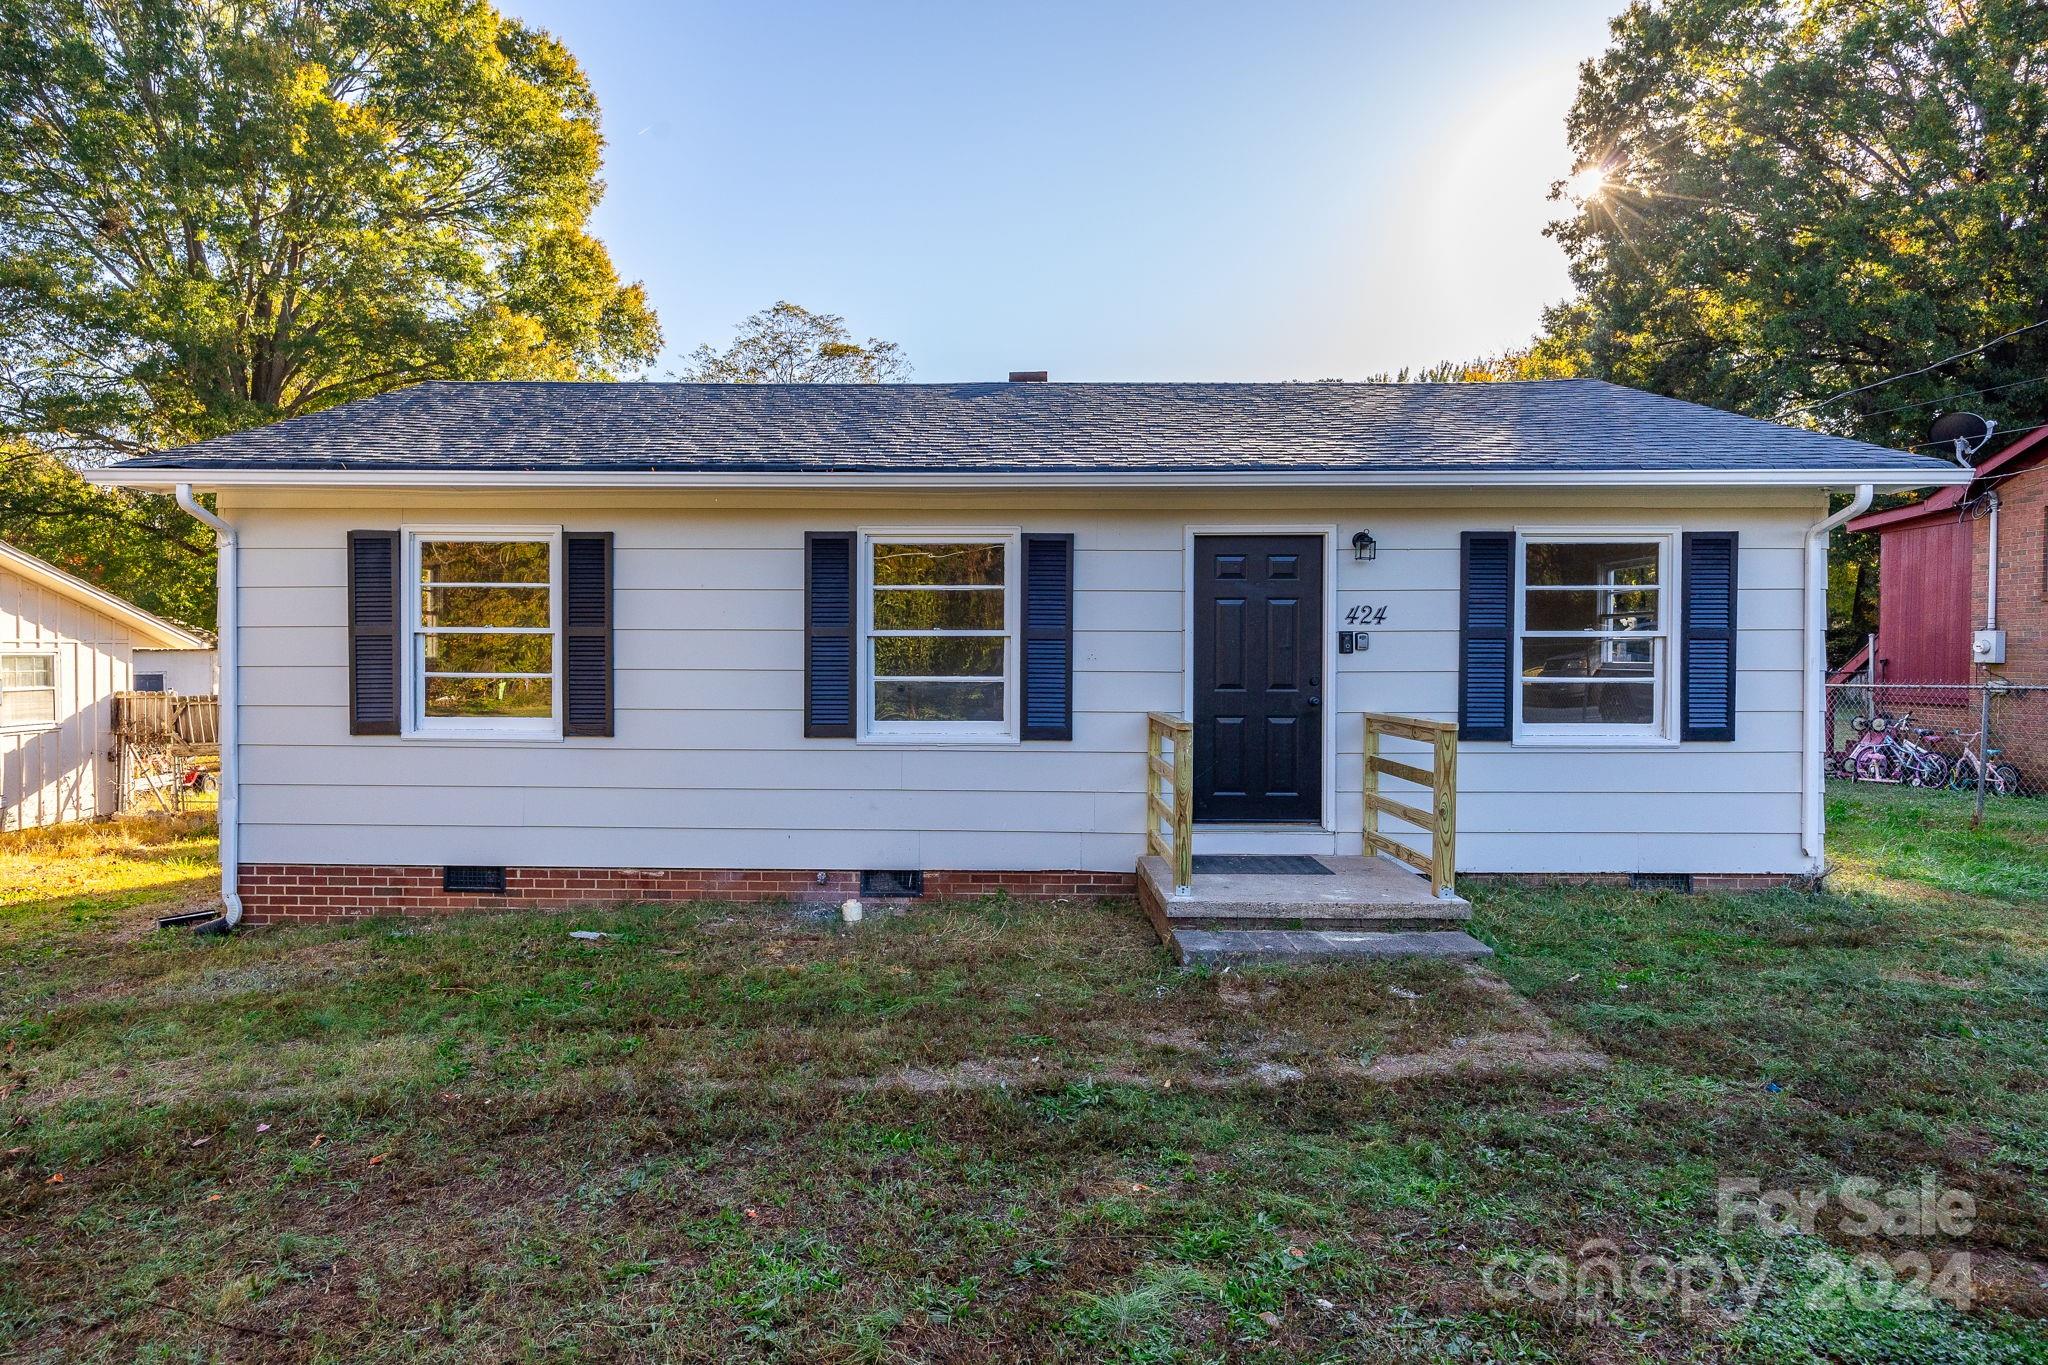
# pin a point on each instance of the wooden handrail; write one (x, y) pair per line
(1170, 759)
(1441, 777)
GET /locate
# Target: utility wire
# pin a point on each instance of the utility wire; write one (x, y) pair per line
(1951, 397)
(1910, 374)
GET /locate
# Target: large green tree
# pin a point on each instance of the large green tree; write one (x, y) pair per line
(137, 545)
(1783, 200)
(1805, 196)
(218, 213)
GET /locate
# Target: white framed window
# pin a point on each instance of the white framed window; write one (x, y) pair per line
(28, 691)
(938, 616)
(484, 631)
(1593, 636)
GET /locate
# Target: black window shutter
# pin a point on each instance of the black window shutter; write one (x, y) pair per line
(587, 634)
(1706, 685)
(1486, 635)
(1048, 637)
(373, 644)
(828, 634)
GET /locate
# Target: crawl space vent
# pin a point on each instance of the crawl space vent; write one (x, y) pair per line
(475, 881)
(890, 885)
(1661, 881)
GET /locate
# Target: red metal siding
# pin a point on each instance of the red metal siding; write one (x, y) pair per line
(1923, 595)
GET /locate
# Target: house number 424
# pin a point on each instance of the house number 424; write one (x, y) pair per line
(1365, 615)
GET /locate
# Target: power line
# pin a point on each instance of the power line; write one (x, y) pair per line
(1911, 374)
(1951, 397)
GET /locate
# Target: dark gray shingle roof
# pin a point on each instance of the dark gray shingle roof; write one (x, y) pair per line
(1570, 425)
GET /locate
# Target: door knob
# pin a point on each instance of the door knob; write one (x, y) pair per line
(1315, 701)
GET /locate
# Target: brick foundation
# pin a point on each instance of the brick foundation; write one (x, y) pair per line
(1702, 882)
(278, 892)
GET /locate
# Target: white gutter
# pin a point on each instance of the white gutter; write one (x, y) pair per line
(1813, 816)
(227, 626)
(1935, 474)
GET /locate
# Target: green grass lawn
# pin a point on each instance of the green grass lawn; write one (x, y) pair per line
(999, 1131)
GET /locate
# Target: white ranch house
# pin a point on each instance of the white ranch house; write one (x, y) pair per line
(561, 642)
(66, 648)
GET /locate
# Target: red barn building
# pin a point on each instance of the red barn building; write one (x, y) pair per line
(1935, 588)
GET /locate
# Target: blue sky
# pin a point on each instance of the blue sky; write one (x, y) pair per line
(1108, 191)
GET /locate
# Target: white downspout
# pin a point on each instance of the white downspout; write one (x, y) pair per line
(1991, 568)
(1813, 815)
(228, 622)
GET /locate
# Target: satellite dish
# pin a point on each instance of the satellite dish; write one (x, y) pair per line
(1966, 431)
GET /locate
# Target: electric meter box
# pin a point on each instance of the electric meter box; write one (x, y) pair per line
(1987, 647)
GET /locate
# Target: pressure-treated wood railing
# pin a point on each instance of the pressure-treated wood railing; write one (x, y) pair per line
(1441, 777)
(1170, 760)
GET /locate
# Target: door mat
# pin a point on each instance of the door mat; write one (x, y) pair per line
(1260, 865)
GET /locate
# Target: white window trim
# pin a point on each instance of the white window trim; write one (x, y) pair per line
(1661, 733)
(951, 733)
(412, 683)
(55, 689)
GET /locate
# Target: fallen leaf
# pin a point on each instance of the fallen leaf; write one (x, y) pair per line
(1271, 1319)
(212, 1198)
(752, 1214)
(318, 1138)
(56, 1179)
(201, 1142)
(378, 1159)
(262, 1127)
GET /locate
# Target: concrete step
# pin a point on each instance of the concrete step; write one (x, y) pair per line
(1386, 919)
(1354, 884)
(1279, 947)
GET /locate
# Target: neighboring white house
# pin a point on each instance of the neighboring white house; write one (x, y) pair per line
(587, 640)
(65, 648)
(188, 672)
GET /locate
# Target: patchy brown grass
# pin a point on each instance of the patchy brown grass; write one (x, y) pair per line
(989, 1131)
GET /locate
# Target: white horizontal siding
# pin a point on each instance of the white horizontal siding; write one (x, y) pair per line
(62, 772)
(710, 766)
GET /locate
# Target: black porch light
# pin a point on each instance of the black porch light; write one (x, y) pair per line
(1362, 547)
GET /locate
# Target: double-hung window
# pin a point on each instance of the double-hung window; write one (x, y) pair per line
(28, 691)
(1593, 635)
(939, 654)
(484, 632)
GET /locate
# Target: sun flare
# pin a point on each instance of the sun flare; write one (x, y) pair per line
(1587, 182)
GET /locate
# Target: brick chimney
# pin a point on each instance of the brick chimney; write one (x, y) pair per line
(1027, 376)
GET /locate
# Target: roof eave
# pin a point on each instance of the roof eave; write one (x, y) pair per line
(164, 477)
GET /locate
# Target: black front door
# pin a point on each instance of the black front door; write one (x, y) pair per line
(1258, 678)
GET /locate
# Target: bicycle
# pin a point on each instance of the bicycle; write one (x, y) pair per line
(1887, 750)
(2000, 778)
(1918, 765)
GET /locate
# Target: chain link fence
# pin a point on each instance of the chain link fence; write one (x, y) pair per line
(1940, 735)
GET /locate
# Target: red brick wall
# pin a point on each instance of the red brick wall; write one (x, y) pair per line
(2022, 611)
(273, 892)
